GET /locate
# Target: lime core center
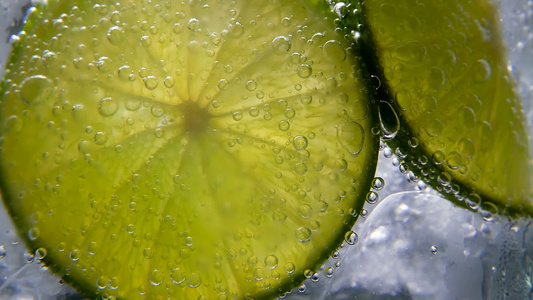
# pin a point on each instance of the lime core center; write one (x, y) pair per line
(195, 118)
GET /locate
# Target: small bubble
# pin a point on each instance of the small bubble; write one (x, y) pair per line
(300, 168)
(306, 99)
(378, 183)
(438, 157)
(305, 211)
(454, 160)
(351, 238)
(236, 30)
(284, 125)
(157, 111)
(169, 81)
(151, 82)
(300, 142)
(335, 51)
(303, 234)
(194, 280)
(372, 197)
(33, 233)
(113, 283)
(146, 41)
(254, 111)
(444, 179)
(281, 44)
(156, 277)
(488, 210)
(36, 88)
(91, 248)
(107, 107)
(304, 71)
(301, 288)
(3, 251)
(223, 84)
(289, 113)
(115, 35)
(237, 115)
(193, 24)
(12, 124)
(289, 268)
(351, 136)
(434, 249)
(101, 283)
(74, 255)
(271, 262)
(482, 71)
(100, 138)
(329, 272)
(177, 276)
(251, 85)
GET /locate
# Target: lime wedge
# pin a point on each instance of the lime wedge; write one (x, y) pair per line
(184, 150)
(440, 65)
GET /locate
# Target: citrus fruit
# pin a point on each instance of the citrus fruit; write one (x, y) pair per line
(184, 150)
(447, 100)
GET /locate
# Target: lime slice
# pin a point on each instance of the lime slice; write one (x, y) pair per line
(441, 66)
(168, 149)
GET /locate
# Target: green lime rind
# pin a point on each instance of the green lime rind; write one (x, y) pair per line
(224, 153)
(447, 100)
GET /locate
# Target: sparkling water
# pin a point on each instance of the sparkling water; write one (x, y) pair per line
(411, 244)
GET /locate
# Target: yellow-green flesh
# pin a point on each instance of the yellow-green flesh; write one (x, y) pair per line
(461, 123)
(173, 149)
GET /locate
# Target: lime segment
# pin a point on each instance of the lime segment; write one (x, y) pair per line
(443, 69)
(184, 149)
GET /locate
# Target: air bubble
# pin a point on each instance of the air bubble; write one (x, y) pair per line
(300, 142)
(177, 276)
(115, 35)
(289, 113)
(303, 234)
(329, 272)
(194, 280)
(151, 82)
(271, 262)
(434, 249)
(304, 71)
(281, 44)
(351, 136)
(107, 107)
(335, 51)
(454, 160)
(237, 115)
(289, 268)
(156, 277)
(284, 125)
(372, 197)
(305, 211)
(100, 138)
(35, 88)
(223, 84)
(251, 85)
(378, 183)
(300, 168)
(482, 71)
(193, 24)
(169, 81)
(351, 238)
(74, 255)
